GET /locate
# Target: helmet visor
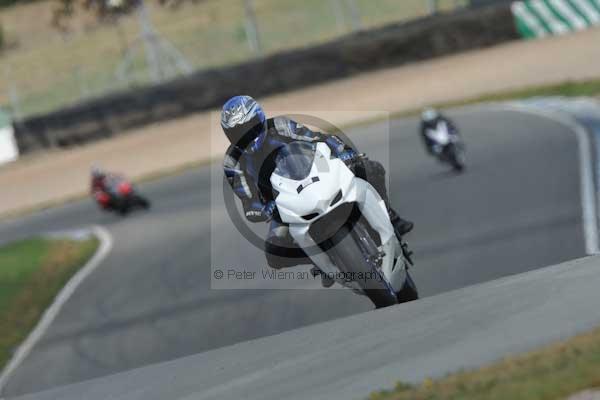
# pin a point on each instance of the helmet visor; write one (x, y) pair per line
(241, 135)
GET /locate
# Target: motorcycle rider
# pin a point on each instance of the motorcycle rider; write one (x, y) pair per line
(249, 162)
(430, 119)
(98, 180)
(102, 185)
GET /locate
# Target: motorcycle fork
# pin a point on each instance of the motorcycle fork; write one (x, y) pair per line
(372, 254)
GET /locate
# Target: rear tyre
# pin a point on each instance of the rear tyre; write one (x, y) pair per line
(349, 258)
(143, 202)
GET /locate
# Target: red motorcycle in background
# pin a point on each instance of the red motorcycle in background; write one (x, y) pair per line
(117, 194)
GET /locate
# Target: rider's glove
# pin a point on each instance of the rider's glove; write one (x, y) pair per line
(268, 210)
(348, 156)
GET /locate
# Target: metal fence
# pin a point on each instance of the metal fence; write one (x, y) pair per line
(156, 44)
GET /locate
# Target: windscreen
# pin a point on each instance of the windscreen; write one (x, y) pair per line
(294, 160)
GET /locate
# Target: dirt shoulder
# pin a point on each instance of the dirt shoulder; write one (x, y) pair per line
(53, 176)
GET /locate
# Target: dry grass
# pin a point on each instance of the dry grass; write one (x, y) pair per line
(588, 88)
(49, 69)
(553, 372)
(32, 272)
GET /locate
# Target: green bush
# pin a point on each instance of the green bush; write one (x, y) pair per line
(1, 37)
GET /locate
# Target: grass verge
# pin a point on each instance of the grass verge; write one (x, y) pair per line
(553, 372)
(567, 89)
(584, 88)
(32, 272)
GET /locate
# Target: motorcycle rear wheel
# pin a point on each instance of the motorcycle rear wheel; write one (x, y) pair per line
(143, 202)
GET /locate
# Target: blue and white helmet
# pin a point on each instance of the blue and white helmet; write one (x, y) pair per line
(242, 120)
(430, 114)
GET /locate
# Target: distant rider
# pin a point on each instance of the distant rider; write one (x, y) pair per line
(249, 162)
(103, 185)
(430, 121)
(98, 180)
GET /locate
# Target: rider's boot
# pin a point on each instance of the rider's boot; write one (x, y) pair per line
(401, 226)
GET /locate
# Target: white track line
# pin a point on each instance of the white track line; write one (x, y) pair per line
(586, 175)
(50, 314)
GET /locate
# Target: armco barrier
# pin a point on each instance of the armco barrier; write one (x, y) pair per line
(391, 45)
(540, 18)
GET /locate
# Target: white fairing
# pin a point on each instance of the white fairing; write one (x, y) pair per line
(316, 197)
(440, 134)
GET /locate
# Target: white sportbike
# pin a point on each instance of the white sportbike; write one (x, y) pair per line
(448, 147)
(341, 223)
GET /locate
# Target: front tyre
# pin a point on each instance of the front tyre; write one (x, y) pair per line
(456, 158)
(122, 206)
(348, 257)
(409, 291)
(123, 210)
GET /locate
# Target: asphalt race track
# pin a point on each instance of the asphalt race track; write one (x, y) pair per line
(517, 208)
(349, 358)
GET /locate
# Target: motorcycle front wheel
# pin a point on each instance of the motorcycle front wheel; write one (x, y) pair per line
(347, 255)
(456, 158)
